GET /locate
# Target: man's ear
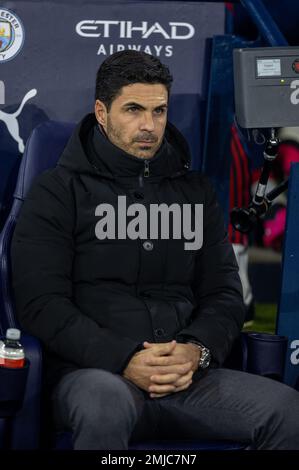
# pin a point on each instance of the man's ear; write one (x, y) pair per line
(100, 111)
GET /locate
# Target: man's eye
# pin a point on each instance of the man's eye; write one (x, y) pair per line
(160, 111)
(133, 109)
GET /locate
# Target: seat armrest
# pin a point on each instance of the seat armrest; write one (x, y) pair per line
(25, 426)
(264, 354)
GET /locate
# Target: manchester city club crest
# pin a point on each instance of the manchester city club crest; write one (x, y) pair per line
(11, 35)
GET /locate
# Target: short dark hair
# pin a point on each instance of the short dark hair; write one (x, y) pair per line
(125, 68)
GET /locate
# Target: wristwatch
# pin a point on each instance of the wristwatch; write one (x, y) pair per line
(205, 355)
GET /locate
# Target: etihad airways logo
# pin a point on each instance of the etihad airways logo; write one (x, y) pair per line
(126, 29)
(133, 35)
(153, 225)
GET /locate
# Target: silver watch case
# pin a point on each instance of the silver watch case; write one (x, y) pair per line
(205, 357)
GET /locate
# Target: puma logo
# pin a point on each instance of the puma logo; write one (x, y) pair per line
(11, 120)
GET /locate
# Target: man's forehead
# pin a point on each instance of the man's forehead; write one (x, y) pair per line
(143, 92)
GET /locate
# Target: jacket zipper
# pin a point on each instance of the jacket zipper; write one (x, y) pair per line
(146, 172)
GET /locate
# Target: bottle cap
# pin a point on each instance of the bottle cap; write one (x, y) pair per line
(13, 333)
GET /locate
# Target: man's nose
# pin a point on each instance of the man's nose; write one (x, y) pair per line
(147, 122)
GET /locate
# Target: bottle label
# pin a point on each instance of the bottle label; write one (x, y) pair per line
(13, 363)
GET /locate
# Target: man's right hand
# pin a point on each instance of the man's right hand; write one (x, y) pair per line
(176, 373)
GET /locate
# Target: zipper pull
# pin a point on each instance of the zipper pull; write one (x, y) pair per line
(146, 172)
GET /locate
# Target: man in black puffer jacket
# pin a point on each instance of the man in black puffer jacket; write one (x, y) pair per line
(122, 268)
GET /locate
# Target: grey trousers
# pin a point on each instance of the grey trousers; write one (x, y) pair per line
(106, 412)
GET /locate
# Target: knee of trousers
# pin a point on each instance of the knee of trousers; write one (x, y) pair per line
(281, 414)
(100, 396)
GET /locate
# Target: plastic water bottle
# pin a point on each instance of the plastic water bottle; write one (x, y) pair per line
(11, 350)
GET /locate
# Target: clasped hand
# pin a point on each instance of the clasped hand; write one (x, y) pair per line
(163, 368)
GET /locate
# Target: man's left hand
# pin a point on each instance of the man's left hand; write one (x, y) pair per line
(184, 352)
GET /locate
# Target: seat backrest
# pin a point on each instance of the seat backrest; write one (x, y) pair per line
(41, 153)
(43, 149)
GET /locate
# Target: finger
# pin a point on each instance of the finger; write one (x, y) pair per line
(165, 379)
(183, 387)
(160, 348)
(158, 395)
(178, 389)
(183, 379)
(177, 369)
(180, 369)
(153, 388)
(148, 345)
(165, 360)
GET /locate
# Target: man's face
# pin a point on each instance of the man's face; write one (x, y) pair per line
(137, 118)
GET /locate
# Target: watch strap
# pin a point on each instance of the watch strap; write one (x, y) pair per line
(205, 354)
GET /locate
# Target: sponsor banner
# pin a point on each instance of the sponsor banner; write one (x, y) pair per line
(50, 52)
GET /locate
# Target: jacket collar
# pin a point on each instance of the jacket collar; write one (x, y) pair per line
(120, 163)
(89, 151)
